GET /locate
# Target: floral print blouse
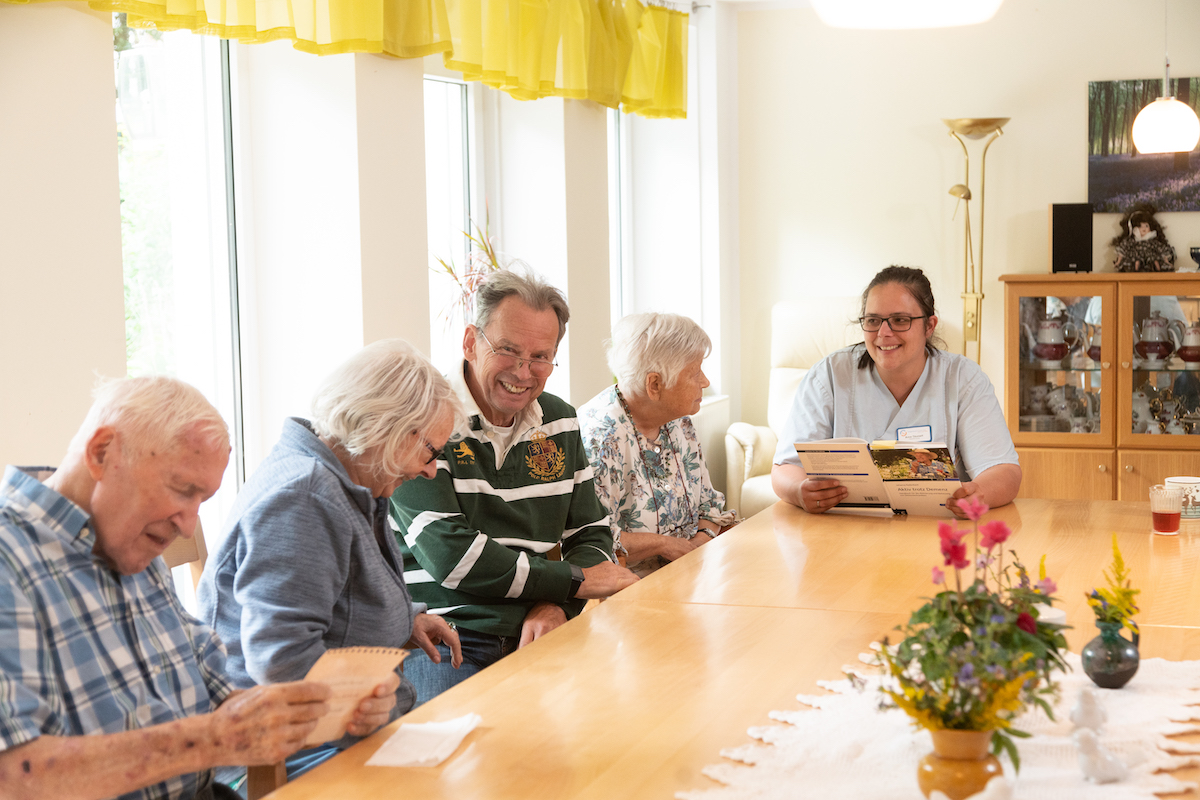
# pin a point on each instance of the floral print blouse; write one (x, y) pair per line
(673, 501)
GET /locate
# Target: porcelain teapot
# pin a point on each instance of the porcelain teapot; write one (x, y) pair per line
(1190, 350)
(1054, 339)
(1157, 337)
(1142, 415)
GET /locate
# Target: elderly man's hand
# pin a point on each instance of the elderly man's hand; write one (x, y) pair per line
(541, 619)
(266, 724)
(430, 630)
(605, 579)
(375, 711)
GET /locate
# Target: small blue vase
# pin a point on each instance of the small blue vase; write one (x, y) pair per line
(1109, 660)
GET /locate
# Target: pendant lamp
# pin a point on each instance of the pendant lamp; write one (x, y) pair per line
(1166, 125)
(897, 14)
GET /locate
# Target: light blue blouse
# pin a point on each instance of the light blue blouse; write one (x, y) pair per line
(953, 397)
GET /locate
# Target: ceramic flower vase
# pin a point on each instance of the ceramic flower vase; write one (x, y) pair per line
(960, 764)
(1109, 660)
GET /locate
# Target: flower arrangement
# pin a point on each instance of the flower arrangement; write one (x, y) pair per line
(1115, 603)
(482, 260)
(976, 655)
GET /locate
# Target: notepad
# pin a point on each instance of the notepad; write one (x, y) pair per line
(352, 673)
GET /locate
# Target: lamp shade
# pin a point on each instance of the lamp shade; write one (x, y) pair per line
(1166, 126)
(896, 14)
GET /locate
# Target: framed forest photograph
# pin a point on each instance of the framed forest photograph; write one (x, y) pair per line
(1119, 176)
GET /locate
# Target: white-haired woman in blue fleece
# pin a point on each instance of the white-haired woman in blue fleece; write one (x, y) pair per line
(308, 562)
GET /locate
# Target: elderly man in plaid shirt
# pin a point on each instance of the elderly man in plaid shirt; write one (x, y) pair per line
(107, 686)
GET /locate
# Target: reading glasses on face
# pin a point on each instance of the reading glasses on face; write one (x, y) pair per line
(433, 454)
(509, 360)
(897, 322)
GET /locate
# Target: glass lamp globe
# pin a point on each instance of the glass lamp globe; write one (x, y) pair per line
(1166, 126)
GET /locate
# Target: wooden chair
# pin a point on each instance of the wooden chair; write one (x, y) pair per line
(188, 551)
(263, 779)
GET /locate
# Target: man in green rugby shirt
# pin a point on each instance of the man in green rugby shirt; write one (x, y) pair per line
(475, 538)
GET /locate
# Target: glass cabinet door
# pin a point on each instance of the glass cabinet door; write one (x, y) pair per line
(1163, 361)
(1062, 351)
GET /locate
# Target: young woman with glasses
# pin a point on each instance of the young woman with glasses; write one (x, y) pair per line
(897, 384)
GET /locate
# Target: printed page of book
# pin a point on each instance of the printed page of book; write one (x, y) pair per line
(918, 477)
(352, 673)
(848, 461)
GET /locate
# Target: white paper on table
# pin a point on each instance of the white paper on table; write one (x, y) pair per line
(423, 744)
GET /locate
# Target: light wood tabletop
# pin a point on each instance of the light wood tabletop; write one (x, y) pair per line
(636, 696)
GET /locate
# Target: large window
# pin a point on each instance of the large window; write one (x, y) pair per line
(448, 173)
(171, 116)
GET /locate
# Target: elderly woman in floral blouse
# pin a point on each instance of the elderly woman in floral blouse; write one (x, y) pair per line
(649, 472)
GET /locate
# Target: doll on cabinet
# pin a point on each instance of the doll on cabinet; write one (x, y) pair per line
(1142, 245)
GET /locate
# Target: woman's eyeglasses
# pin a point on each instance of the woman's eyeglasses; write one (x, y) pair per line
(539, 367)
(897, 322)
(433, 454)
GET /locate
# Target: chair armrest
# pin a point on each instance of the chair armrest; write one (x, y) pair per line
(749, 451)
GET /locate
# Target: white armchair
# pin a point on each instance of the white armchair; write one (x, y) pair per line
(802, 333)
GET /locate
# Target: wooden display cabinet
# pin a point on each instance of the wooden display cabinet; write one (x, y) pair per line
(1073, 420)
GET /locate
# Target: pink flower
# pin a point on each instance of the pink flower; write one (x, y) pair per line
(938, 576)
(973, 507)
(1047, 586)
(1026, 622)
(956, 555)
(948, 534)
(993, 533)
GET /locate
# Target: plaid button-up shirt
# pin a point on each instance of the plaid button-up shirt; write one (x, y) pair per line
(84, 650)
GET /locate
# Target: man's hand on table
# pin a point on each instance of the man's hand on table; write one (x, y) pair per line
(266, 724)
(604, 580)
(541, 619)
(430, 630)
(375, 711)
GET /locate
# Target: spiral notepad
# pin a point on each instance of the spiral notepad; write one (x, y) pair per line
(352, 673)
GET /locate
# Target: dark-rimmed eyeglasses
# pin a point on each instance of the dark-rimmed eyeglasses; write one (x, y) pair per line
(897, 322)
(434, 453)
(539, 367)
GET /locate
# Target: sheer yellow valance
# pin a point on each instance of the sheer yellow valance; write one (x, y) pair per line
(629, 54)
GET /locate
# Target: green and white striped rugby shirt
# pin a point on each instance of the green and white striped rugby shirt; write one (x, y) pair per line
(475, 538)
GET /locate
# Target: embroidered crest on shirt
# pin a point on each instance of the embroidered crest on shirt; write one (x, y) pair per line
(464, 454)
(545, 460)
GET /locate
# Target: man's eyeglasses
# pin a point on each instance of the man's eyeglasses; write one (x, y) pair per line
(897, 322)
(433, 454)
(510, 360)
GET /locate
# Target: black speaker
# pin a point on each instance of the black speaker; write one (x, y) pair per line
(1071, 237)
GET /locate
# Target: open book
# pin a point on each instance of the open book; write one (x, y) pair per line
(885, 476)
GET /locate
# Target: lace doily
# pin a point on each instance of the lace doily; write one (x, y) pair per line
(847, 742)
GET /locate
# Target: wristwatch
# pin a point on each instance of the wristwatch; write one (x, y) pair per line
(576, 580)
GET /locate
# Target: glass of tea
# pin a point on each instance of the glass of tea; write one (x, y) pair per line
(1166, 505)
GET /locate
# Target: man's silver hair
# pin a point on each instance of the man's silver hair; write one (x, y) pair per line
(530, 288)
(651, 342)
(380, 396)
(151, 414)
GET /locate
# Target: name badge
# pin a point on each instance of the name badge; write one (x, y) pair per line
(915, 433)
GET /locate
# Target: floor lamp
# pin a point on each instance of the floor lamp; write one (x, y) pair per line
(972, 294)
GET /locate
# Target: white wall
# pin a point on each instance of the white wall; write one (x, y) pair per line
(299, 257)
(845, 164)
(60, 237)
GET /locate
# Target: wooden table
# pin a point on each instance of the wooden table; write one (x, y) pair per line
(634, 697)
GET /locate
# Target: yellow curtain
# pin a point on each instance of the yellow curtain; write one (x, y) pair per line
(611, 51)
(620, 53)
